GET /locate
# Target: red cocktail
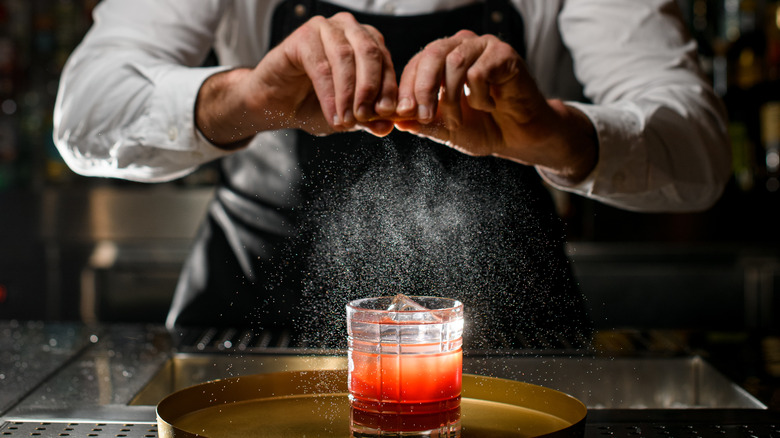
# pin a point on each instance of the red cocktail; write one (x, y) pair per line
(407, 358)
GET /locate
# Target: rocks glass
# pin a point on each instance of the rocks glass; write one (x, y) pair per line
(405, 354)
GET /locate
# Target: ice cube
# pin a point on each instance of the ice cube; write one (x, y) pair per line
(405, 309)
(403, 303)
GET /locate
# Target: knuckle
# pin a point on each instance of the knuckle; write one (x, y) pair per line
(434, 50)
(366, 91)
(369, 88)
(490, 38)
(315, 21)
(344, 16)
(344, 52)
(456, 59)
(504, 49)
(476, 76)
(465, 33)
(371, 51)
(323, 69)
(425, 90)
(375, 33)
(500, 48)
(307, 29)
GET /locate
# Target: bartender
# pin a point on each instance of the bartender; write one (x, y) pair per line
(312, 100)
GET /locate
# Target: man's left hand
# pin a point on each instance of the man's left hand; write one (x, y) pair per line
(475, 94)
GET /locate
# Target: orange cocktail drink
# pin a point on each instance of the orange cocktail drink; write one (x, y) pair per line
(405, 354)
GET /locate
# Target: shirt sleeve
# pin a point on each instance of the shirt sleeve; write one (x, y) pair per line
(661, 129)
(125, 104)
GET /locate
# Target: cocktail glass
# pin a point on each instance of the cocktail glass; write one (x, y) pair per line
(405, 354)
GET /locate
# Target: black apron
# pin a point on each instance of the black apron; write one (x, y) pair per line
(399, 214)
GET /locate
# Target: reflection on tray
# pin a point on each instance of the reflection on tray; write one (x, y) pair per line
(316, 403)
(444, 424)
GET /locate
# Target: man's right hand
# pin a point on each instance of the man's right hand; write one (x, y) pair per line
(331, 74)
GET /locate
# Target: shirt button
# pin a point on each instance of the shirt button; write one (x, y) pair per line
(173, 133)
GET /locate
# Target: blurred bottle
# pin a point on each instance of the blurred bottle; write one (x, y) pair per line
(743, 156)
(746, 53)
(742, 42)
(772, 26)
(770, 139)
(769, 91)
(700, 15)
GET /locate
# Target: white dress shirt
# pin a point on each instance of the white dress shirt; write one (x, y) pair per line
(126, 98)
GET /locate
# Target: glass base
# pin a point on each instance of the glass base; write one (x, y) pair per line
(441, 424)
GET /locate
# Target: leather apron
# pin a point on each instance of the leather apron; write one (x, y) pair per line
(378, 216)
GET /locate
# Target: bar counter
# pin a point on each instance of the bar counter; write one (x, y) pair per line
(70, 379)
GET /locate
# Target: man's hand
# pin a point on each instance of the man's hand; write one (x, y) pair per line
(475, 94)
(329, 75)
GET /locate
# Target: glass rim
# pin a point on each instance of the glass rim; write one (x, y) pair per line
(355, 304)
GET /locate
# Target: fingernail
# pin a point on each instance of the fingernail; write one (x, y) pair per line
(405, 105)
(423, 112)
(349, 119)
(336, 120)
(363, 112)
(385, 104)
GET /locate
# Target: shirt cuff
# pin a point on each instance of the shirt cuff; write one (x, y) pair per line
(618, 129)
(176, 91)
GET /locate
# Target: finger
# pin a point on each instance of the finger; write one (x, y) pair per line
(428, 79)
(458, 61)
(374, 77)
(386, 101)
(306, 49)
(478, 95)
(342, 61)
(434, 131)
(380, 128)
(430, 72)
(497, 68)
(407, 105)
(408, 125)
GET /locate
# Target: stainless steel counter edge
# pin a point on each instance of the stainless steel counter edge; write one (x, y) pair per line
(95, 382)
(99, 371)
(30, 352)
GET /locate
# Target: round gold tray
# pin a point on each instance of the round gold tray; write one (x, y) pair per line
(315, 403)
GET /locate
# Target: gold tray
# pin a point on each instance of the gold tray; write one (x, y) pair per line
(315, 403)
